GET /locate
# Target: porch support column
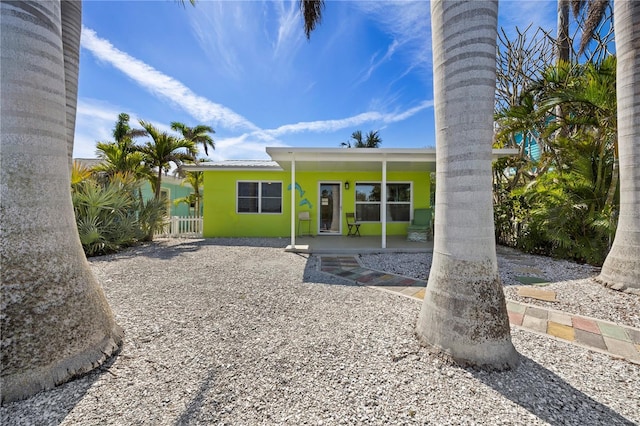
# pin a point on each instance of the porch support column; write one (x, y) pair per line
(293, 200)
(383, 213)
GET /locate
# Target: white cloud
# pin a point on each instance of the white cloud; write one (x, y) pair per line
(522, 13)
(243, 39)
(162, 85)
(94, 122)
(356, 120)
(375, 62)
(237, 137)
(289, 30)
(408, 22)
(211, 24)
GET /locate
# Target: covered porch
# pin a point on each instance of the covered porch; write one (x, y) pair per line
(382, 161)
(328, 160)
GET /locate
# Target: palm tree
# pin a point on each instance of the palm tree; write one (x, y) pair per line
(197, 134)
(123, 133)
(196, 181)
(464, 312)
(71, 17)
(621, 268)
(163, 151)
(563, 40)
(371, 140)
(122, 156)
(56, 322)
(596, 10)
(118, 159)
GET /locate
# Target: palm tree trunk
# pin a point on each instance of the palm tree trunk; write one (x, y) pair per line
(71, 29)
(464, 313)
(562, 43)
(621, 268)
(158, 183)
(55, 321)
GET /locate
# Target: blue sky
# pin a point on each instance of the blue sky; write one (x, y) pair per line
(246, 69)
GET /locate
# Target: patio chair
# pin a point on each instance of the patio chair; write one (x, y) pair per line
(353, 225)
(304, 217)
(420, 228)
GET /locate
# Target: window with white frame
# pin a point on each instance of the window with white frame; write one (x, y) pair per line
(368, 198)
(368, 201)
(398, 202)
(259, 197)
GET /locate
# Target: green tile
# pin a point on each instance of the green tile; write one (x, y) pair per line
(516, 307)
(614, 331)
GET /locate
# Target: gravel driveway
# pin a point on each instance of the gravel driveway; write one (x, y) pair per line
(239, 332)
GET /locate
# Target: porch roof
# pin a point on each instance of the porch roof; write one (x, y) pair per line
(339, 159)
(354, 159)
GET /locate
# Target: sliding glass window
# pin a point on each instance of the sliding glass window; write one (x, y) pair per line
(259, 197)
(368, 202)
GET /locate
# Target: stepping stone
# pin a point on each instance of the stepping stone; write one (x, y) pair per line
(560, 330)
(590, 339)
(530, 280)
(614, 331)
(586, 324)
(529, 270)
(515, 318)
(419, 294)
(537, 293)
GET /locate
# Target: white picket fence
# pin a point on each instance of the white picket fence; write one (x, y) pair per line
(182, 227)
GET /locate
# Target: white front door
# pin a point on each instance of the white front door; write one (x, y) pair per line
(330, 210)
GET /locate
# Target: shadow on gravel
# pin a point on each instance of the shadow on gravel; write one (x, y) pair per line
(166, 248)
(54, 404)
(153, 250)
(193, 411)
(548, 396)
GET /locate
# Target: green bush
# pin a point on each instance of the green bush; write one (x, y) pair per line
(110, 213)
(106, 216)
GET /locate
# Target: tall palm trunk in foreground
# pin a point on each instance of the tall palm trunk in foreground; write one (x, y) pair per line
(622, 266)
(464, 314)
(55, 320)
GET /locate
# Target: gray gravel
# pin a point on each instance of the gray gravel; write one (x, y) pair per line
(576, 290)
(239, 332)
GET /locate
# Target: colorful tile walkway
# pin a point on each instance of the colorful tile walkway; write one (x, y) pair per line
(598, 335)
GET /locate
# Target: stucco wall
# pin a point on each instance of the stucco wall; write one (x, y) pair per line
(221, 219)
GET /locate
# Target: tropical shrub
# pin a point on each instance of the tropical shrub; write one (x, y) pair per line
(105, 215)
(110, 212)
(151, 217)
(563, 203)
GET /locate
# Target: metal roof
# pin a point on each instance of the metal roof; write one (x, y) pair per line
(233, 165)
(339, 159)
